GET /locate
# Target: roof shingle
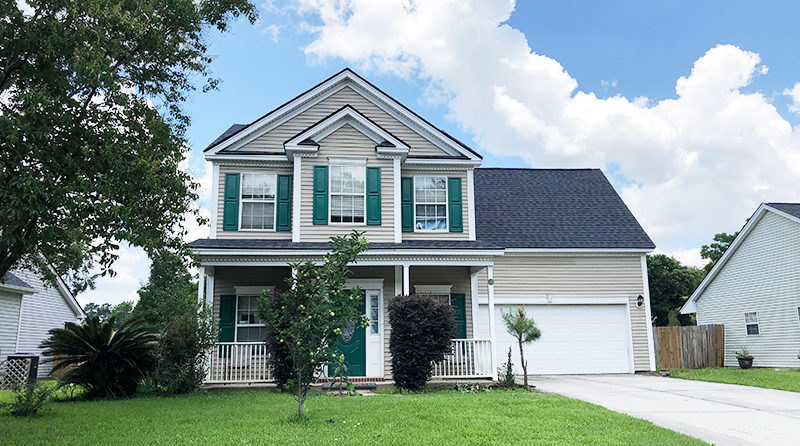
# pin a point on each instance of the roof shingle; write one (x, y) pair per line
(553, 208)
(792, 209)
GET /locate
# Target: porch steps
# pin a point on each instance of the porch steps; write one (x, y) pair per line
(356, 385)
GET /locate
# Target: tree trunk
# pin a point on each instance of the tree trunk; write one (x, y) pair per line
(301, 398)
(524, 365)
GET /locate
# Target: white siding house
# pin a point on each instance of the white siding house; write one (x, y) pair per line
(754, 289)
(29, 308)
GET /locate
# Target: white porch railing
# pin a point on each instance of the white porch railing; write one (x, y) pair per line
(238, 362)
(471, 358)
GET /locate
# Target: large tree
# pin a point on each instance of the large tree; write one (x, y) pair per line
(169, 303)
(91, 126)
(714, 251)
(671, 283)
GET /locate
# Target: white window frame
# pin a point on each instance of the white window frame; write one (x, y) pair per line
(446, 205)
(346, 162)
(435, 290)
(756, 323)
(250, 200)
(248, 291)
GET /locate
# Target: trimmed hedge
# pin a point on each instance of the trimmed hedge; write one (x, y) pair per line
(422, 330)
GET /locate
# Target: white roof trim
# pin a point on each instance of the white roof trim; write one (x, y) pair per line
(345, 78)
(691, 306)
(347, 115)
(16, 289)
(68, 296)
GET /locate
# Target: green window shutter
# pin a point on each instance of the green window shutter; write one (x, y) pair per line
(373, 195)
(227, 317)
(459, 303)
(230, 209)
(320, 195)
(454, 203)
(407, 203)
(284, 203)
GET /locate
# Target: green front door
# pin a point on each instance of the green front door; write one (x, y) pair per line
(353, 344)
(459, 303)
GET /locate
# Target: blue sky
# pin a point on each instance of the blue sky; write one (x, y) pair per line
(548, 84)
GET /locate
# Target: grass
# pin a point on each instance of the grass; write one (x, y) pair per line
(781, 379)
(251, 418)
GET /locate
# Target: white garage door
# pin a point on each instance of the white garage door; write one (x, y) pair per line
(576, 339)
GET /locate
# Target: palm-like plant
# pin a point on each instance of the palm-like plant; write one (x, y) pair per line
(106, 363)
(524, 329)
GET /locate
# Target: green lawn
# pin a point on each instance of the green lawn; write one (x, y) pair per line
(443, 418)
(781, 379)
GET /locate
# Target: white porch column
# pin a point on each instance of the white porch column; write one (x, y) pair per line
(201, 285)
(473, 292)
(406, 279)
(296, 199)
(398, 220)
(398, 280)
(492, 328)
(210, 291)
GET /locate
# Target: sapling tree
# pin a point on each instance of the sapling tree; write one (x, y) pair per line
(314, 311)
(524, 329)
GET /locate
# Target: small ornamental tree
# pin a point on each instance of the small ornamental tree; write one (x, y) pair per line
(524, 329)
(314, 311)
(422, 331)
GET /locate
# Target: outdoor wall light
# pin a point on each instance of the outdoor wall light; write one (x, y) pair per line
(491, 281)
(639, 301)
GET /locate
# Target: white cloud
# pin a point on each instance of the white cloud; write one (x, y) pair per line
(696, 165)
(605, 84)
(689, 257)
(274, 32)
(794, 93)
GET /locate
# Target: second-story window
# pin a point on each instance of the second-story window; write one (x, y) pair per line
(430, 203)
(258, 201)
(348, 194)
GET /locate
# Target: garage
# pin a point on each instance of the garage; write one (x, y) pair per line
(576, 339)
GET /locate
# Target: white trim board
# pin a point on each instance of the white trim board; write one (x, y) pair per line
(555, 300)
(343, 79)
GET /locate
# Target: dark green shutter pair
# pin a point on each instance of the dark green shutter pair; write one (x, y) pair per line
(230, 210)
(321, 195)
(454, 203)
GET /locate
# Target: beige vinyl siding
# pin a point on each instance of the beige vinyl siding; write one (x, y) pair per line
(346, 142)
(444, 235)
(457, 276)
(763, 276)
(227, 278)
(47, 308)
(273, 140)
(576, 276)
(270, 235)
(9, 321)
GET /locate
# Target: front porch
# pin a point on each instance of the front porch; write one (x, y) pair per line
(246, 363)
(241, 358)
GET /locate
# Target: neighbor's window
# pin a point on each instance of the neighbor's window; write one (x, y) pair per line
(348, 186)
(751, 322)
(258, 200)
(430, 203)
(248, 327)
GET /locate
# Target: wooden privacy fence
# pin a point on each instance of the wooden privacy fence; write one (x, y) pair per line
(690, 347)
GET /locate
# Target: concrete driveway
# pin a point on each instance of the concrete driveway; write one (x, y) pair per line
(723, 414)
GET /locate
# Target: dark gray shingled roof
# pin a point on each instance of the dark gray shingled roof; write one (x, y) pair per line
(12, 280)
(792, 209)
(288, 244)
(553, 208)
(232, 130)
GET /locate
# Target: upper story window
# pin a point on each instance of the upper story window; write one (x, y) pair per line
(751, 323)
(430, 203)
(348, 194)
(258, 201)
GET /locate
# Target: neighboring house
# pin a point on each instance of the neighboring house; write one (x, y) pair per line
(28, 309)
(343, 156)
(754, 289)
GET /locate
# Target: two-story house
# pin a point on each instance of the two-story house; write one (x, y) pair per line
(343, 156)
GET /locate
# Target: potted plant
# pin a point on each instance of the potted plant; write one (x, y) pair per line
(745, 358)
